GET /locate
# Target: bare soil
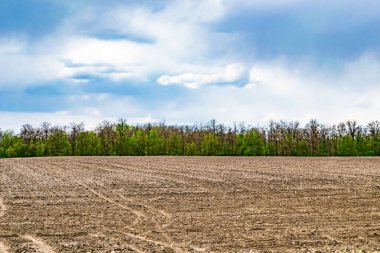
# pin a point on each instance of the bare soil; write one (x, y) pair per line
(189, 204)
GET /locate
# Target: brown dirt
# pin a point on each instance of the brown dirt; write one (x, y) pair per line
(189, 204)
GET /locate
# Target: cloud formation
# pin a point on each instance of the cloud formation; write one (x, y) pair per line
(230, 74)
(186, 61)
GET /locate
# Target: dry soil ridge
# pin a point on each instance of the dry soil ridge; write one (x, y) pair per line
(45, 248)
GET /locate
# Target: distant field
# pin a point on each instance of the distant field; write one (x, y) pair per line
(189, 204)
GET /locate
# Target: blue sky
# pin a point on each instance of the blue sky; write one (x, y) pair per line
(188, 61)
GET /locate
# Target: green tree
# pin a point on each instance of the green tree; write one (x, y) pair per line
(253, 144)
(88, 144)
(58, 143)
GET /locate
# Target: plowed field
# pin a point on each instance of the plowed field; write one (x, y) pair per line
(189, 204)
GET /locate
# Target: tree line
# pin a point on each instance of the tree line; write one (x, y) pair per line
(209, 139)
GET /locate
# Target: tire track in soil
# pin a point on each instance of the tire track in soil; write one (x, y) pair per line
(138, 214)
(160, 212)
(141, 238)
(45, 248)
(135, 249)
(3, 207)
(155, 210)
(3, 248)
(171, 243)
(331, 238)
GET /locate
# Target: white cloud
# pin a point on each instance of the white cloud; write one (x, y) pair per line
(12, 45)
(24, 69)
(231, 73)
(276, 78)
(99, 71)
(20, 64)
(86, 50)
(263, 3)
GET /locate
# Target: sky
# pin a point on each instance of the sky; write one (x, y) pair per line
(188, 61)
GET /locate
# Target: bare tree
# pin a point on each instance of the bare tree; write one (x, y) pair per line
(27, 133)
(374, 129)
(353, 128)
(45, 130)
(106, 134)
(312, 131)
(75, 130)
